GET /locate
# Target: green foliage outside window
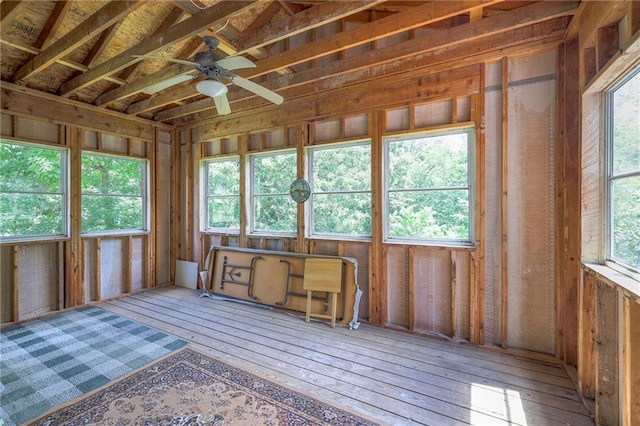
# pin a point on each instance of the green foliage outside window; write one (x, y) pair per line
(32, 195)
(428, 187)
(624, 182)
(341, 190)
(223, 193)
(113, 193)
(273, 209)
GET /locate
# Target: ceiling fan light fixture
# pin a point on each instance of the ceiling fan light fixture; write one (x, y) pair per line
(211, 88)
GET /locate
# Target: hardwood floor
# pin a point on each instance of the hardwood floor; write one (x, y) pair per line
(394, 377)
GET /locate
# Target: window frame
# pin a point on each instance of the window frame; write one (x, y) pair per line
(610, 177)
(204, 195)
(64, 192)
(470, 188)
(145, 196)
(252, 195)
(309, 213)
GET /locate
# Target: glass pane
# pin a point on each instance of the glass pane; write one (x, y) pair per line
(274, 174)
(111, 175)
(430, 162)
(429, 215)
(275, 213)
(626, 220)
(30, 169)
(31, 214)
(110, 213)
(342, 214)
(346, 168)
(626, 127)
(224, 212)
(224, 177)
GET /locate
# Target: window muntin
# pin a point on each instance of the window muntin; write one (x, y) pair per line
(33, 191)
(340, 180)
(114, 194)
(623, 173)
(222, 194)
(272, 210)
(428, 187)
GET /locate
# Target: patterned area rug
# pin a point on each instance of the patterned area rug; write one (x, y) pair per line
(190, 388)
(50, 361)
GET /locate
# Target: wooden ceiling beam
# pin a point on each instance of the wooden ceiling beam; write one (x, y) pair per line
(369, 65)
(94, 24)
(417, 17)
(271, 11)
(140, 84)
(64, 62)
(188, 28)
(173, 17)
(55, 19)
(363, 34)
(101, 44)
(301, 22)
(250, 116)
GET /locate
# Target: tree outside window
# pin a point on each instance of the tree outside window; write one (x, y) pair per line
(428, 189)
(623, 184)
(113, 193)
(222, 186)
(33, 196)
(340, 179)
(272, 208)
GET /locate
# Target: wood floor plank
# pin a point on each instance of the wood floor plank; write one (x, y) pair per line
(369, 357)
(395, 377)
(421, 406)
(367, 365)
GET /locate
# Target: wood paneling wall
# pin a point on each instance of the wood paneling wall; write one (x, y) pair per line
(597, 329)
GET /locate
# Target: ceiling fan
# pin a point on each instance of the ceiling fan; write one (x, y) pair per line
(212, 68)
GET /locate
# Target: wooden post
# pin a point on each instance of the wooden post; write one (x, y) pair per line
(176, 199)
(74, 295)
(188, 195)
(572, 201)
(98, 269)
(607, 373)
(243, 146)
(128, 268)
(587, 337)
(453, 277)
(15, 262)
(477, 263)
(505, 158)
(302, 139)
(411, 288)
(377, 264)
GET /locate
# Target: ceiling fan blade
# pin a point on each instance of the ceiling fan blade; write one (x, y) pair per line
(162, 58)
(235, 63)
(155, 88)
(222, 104)
(257, 89)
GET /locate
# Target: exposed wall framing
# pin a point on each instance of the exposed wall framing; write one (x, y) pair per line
(46, 276)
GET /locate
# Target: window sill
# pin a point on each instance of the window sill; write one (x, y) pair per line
(611, 275)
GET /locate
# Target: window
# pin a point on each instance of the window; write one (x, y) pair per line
(428, 190)
(623, 172)
(114, 193)
(340, 179)
(222, 194)
(33, 191)
(272, 208)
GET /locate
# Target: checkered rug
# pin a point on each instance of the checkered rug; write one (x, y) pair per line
(46, 362)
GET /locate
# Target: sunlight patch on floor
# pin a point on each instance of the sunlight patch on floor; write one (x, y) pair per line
(502, 403)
